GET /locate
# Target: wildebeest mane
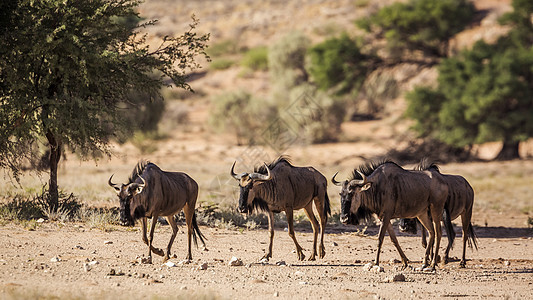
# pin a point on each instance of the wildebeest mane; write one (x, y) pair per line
(138, 170)
(282, 159)
(369, 168)
(427, 165)
(259, 205)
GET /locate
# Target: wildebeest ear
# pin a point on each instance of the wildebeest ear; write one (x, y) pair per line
(366, 186)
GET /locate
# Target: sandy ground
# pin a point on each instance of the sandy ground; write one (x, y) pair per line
(53, 259)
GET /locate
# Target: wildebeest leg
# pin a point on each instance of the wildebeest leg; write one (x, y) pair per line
(189, 214)
(145, 239)
(323, 219)
(174, 226)
(394, 240)
(271, 232)
(436, 215)
(426, 222)
(299, 252)
(314, 223)
(466, 223)
(382, 229)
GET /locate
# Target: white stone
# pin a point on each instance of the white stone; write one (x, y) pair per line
(235, 262)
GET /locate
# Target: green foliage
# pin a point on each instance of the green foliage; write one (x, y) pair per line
(424, 25)
(242, 114)
(483, 95)
(221, 63)
(223, 48)
(65, 66)
(338, 62)
(256, 59)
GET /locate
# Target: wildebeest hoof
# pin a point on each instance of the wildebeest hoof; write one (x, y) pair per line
(158, 251)
(311, 258)
(146, 260)
(462, 264)
(263, 260)
(301, 256)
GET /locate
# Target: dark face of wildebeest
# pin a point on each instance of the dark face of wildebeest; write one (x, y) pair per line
(351, 194)
(248, 184)
(125, 193)
(408, 225)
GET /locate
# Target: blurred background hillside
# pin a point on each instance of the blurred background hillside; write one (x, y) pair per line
(333, 84)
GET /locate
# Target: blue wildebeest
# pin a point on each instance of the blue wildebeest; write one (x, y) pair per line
(460, 202)
(389, 191)
(280, 186)
(151, 193)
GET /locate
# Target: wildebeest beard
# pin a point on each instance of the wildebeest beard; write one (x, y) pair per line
(363, 214)
(125, 214)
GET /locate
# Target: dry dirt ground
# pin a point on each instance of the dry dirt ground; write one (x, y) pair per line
(52, 261)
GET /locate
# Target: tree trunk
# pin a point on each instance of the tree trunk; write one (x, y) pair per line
(509, 151)
(55, 155)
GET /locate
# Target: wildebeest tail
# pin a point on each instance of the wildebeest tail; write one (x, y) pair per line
(196, 231)
(450, 232)
(472, 237)
(327, 207)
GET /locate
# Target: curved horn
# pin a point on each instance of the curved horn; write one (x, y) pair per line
(335, 182)
(237, 177)
(144, 182)
(262, 177)
(111, 184)
(361, 181)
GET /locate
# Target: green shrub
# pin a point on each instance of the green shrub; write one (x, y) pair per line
(286, 63)
(221, 63)
(241, 113)
(256, 59)
(338, 63)
(223, 48)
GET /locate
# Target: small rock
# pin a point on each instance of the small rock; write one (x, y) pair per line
(79, 247)
(184, 262)
(367, 267)
(108, 242)
(285, 229)
(112, 272)
(377, 269)
(397, 278)
(183, 288)
(357, 261)
(169, 264)
(257, 281)
(394, 261)
(298, 273)
(40, 220)
(86, 267)
(235, 262)
(92, 263)
(276, 294)
(203, 266)
(302, 282)
(334, 244)
(281, 263)
(161, 276)
(507, 263)
(55, 259)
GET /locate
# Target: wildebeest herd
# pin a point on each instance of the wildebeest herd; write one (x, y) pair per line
(382, 189)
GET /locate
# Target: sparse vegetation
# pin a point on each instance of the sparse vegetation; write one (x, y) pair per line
(256, 59)
(221, 63)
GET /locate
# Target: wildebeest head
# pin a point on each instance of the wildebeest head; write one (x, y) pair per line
(408, 225)
(125, 193)
(351, 197)
(248, 183)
